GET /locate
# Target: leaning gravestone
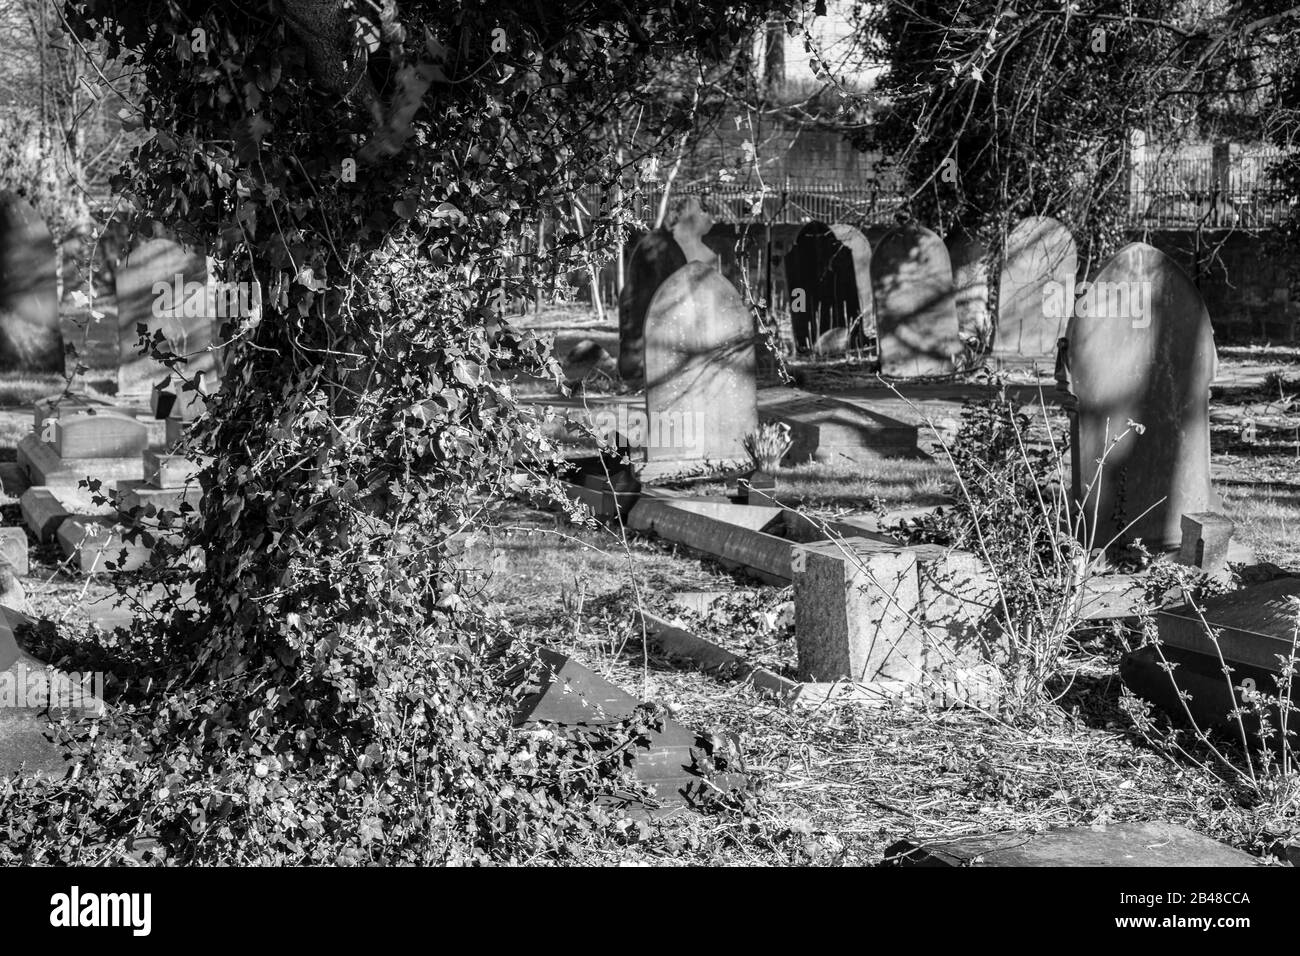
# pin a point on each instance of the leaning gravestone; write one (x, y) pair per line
(1141, 349)
(654, 258)
(916, 318)
(828, 278)
(701, 398)
(1035, 291)
(165, 287)
(30, 339)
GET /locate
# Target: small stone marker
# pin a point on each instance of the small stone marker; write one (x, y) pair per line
(30, 339)
(1035, 291)
(654, 258)
(1141, 350)
(1116, 844)
(828, 281)
(42, 512)
(1207, 541)
(916, 317)
(701, 394)
(147, 294)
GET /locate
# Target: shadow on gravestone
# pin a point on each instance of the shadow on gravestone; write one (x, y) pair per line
(30, 340)
(654, 258)
(828, 283)
(1141, 349)
(1035, 290)
(164, 287)
(701, 398)
(916, 318)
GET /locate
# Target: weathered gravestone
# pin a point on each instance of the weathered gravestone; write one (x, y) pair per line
(916, 318)
(653, 259)
(164, 287)
(970, 280)
(1035, 290)
(30, 339)
(701, 398)
(1141, 350)
(828, 280)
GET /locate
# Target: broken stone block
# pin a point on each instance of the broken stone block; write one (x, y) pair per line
(42, 512)
(855, 604)
(137, 494)
(1207, 539)
(1116, 844)
(959, 605)
(13, 549)
(92, 544)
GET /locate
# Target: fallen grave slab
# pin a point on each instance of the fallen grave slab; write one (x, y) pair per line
(1117, 844)
(763, 518)
(572, 696)
(27, 705)
(92, 543)
(674, 642)
(831, 429)
(42, 512)
(764, 555)
(13, 549)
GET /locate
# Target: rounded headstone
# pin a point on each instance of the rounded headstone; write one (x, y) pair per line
(1035, 291)
(828, 281)
(916, 318)
(163, 286)
(701, 398)
(654, 258)
(30, 339)
(1141, 349)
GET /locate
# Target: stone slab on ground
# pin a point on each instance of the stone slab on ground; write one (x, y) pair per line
(763, 518)
(678, 643)
(1256, 624)
(26, 736)
(831, 429)
(13, 548)
(570, 695)
(92, 543)
(42, 465)
(1116, 844)
(604, 505)
(764, 555)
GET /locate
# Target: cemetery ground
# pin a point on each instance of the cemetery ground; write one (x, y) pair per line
(840, 782)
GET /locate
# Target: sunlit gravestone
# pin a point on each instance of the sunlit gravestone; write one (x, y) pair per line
(701, 399)
(166, 288)
(828, 282)
(1035, 291)
(916, 317)
(1141, 349)
(30, 340)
